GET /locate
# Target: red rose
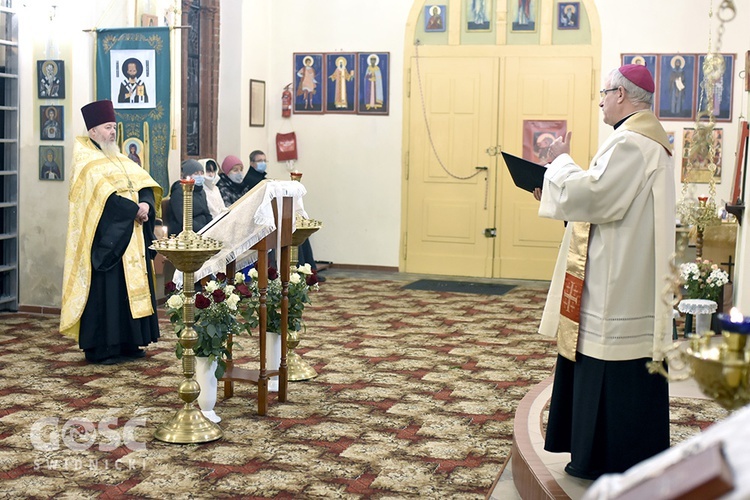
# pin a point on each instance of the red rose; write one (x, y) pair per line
(311, 279)
(202, 302)
(272, 273)
(218, 295)
(221, 277)
(170, 287)
(244, 290)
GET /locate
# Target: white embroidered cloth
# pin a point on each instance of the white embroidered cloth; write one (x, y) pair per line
(697, 306)
(248, 220)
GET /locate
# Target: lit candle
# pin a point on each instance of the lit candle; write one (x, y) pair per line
(734, 322)
(187, 180)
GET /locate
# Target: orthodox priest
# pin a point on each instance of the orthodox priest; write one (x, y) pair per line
(607, 303)
(108, 300)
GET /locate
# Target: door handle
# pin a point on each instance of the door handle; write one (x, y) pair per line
(494, 150)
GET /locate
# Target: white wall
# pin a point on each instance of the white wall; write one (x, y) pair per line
(351, 164)
(244, 56)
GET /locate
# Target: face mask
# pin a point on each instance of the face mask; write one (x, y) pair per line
(236, 177)
(210, 179)
(198, 180)
(260, 166)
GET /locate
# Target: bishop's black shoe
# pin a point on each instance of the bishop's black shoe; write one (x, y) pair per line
(582, 474)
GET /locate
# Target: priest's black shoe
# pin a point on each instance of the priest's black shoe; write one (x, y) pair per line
(109, 361)
(137, 353)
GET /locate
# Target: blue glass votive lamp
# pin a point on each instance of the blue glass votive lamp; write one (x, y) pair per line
(735, 328)
(734, 322)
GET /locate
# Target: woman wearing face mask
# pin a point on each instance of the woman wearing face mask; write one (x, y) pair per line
(213, 196)
(201, 214)
(231, 179)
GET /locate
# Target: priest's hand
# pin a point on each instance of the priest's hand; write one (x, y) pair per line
(561, 145)
(142, 215)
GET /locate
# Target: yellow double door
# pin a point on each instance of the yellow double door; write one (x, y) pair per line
(464, 216)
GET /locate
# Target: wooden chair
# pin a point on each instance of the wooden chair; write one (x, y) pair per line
(260, 377)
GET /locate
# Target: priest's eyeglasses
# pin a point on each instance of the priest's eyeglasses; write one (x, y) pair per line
(603, 92)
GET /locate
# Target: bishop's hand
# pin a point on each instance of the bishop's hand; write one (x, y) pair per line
(561, 145)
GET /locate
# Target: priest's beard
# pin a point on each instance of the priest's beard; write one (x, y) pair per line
(105, 140)
(109, 148)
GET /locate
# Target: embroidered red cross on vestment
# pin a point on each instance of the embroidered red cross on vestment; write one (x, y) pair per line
(570, 307)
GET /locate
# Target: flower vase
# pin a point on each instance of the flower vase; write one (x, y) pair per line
(273, 358)
(702, 323)
(205, 375)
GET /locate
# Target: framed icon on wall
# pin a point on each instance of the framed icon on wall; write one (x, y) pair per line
(51, 167)
(51, 121)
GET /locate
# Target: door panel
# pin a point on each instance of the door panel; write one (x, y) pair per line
(447, 214)
(469, 103)
(537, 88)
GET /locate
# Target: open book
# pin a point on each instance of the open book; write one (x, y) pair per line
(525, 174)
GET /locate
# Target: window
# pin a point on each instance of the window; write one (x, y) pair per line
(200, 69)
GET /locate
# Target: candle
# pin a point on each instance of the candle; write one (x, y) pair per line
(187, 180)
(734, 322)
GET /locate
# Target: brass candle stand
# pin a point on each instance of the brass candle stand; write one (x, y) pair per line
(298, 368)
(187, 252)
(721, 367)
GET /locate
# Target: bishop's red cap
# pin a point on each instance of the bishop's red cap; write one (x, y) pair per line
(98, 112)
(639, 75)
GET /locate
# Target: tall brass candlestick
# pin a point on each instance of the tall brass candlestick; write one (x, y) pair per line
(188, 251)
(297, 368)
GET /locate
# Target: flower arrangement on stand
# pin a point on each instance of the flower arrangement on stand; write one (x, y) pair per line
(221, 310)
(703, 279)
(302, 280)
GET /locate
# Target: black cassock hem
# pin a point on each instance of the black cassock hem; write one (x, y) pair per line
(609, 415)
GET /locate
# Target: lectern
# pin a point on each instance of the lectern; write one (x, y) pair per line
(263, 219)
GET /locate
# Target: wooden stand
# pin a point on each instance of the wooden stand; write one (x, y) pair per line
(260, 377)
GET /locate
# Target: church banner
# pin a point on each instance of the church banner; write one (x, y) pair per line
(133, 71)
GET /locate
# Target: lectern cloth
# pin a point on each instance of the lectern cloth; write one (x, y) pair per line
(628, 196)
(248, 221)
(95, 178)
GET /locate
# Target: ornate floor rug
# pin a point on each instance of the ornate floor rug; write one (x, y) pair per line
(415, 399)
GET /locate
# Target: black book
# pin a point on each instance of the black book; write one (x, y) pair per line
(525, 174)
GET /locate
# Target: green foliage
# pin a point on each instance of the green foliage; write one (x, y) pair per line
(302, 281)
(220, 310)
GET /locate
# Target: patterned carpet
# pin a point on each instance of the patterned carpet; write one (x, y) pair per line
(415, 399)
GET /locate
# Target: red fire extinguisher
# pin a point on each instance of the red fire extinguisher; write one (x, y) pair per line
(286, 102)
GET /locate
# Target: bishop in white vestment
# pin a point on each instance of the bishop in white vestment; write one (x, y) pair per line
(607, 302)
